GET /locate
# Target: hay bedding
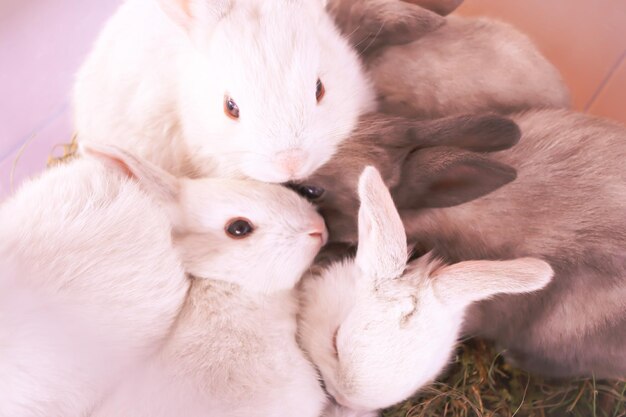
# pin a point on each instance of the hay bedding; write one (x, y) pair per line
(68, 151)
(479, 383)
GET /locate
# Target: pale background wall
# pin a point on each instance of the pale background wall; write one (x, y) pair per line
(585, 39)
(42, 42)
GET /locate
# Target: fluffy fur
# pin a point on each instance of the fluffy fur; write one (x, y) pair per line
(421, 162)
(93, 266)
(334, 410)
(441, 7)
(156, 79)
(566, 206)
(468, 65)
(372, 24)
(427, 66)
(232, 351)
(379, 329)
(92, 285)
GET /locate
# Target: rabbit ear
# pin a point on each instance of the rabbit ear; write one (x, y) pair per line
(445, 177)
(441, 7)
(466, 282)
(373, 23)
(186, 12)
(482, 133)
(160, 184)
(382, 251)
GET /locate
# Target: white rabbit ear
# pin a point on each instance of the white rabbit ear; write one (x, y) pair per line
(163, 186)
(463, 283)
(382, 251)
(187, 12)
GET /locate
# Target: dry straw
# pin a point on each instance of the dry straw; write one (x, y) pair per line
(479, 383)
(68, 151)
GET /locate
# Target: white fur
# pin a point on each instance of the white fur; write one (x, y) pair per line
(395, 330)
(334, 410)
(233, 350)
(95, 285)
(93, 266)
(156, 79)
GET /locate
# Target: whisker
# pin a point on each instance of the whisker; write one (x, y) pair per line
(373, 39)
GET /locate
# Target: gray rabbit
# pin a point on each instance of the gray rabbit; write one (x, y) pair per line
(450, 65)
(565, 204)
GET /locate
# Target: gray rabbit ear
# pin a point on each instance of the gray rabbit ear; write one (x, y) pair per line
(382, 251)
(441, 7)
(371, 24)
(478, 133)
(445, 177)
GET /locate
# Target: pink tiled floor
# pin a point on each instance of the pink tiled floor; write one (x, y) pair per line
(42, 43)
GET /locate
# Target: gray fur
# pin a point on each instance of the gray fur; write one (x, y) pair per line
(468, 65)
(427, 66)
(567, 206)
(371, 24)
(441, 7)
(412, 157)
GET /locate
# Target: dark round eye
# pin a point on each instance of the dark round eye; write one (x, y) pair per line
(319, 90)
(230, 108)
(310, 192)
(239, 228)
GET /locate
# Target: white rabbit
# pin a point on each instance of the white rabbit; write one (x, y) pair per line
(91, 267)
(563, 201)
(96, 281)
(233, 349)
(265, 89)
(379, 329)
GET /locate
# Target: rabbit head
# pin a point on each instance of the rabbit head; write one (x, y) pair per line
(274, 77)
(424, 164)
(378, 328)
(259, 236)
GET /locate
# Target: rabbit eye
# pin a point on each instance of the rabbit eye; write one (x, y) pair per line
(310, 192)
(319, 90)
(335, 350)
(230, 108)
(239, 228)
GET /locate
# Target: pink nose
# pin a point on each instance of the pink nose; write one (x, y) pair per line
(291, 161)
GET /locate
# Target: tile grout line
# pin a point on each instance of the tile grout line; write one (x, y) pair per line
(605, 81)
